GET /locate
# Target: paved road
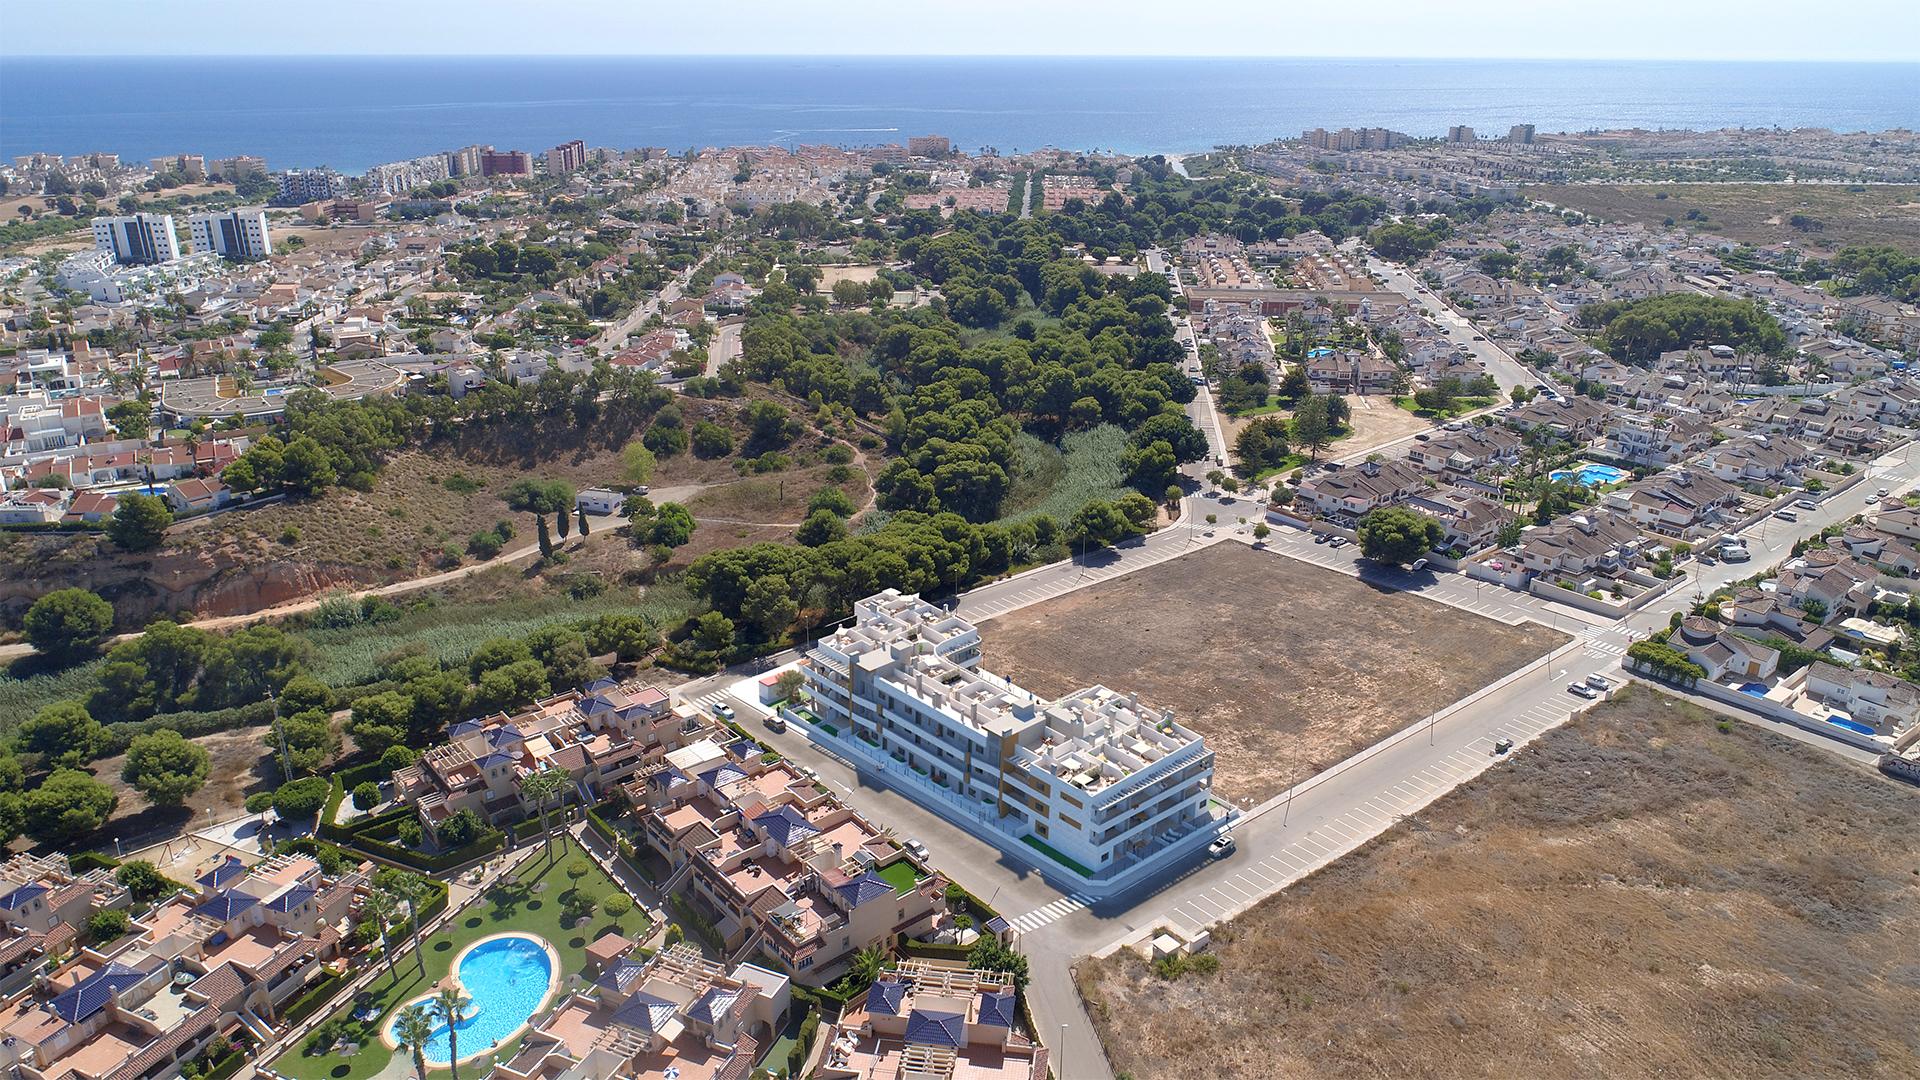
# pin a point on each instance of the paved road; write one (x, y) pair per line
(725, 347)
(1499, 363)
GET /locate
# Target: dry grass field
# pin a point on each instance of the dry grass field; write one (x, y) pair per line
(1646, 892)
(1284, 667)
(1757, 213)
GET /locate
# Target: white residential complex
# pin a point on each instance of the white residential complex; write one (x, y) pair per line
(235, 234)
(137, 239)
(1095, 776)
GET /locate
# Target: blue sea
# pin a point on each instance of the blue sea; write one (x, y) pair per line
(352, 112)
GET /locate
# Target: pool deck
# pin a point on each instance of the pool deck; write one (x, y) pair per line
(453, 974)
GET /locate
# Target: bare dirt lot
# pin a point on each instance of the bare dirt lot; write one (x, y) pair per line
(1284, 667)
(1758, 213)
(1648, 891)
(238, 767)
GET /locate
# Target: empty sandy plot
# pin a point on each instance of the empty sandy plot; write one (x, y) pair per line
(1284, 667)
(1641, 894)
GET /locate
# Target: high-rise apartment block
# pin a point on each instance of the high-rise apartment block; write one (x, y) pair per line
(506, 163)
(1460, 133)
(236, 234)
(137, 239)
(567, 157)
(929, 146)
(1521, 133)
(191, 166)
(238, 167)
(1355, 139)
(466, 160)
(311, 185)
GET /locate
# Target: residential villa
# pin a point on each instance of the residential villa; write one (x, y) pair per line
(220, 962)
(1344, 495)
(1721, 653)
(600, 734)
(924, 1020)
(791, 874)
(674, 1016)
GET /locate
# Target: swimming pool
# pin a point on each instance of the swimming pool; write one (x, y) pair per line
(1754, 689)
(1854, 726)
(1589, 474)
(1321, 350)
(508, 977)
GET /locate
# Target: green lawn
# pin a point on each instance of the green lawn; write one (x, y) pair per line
(1052, 853)
(901, 875)
(532, 906)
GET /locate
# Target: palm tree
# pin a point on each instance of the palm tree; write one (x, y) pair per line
(543, 787)
(381, 906)
(410, 891)
(412, 1030)
(452, 1005)
(866, 966)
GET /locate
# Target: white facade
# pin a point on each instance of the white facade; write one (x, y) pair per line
(1095, 775)
(236, 234)
(137, 239)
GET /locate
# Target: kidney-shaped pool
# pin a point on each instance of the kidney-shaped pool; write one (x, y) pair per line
(509, 978)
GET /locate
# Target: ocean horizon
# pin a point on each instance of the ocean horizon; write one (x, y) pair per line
(351, 112)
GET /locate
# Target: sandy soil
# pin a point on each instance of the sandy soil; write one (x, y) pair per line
(1641, 894)
(240, 766)
(1284, 667)
(1377, 421)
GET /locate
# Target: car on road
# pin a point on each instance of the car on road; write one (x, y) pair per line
(1871, 499)
(1502, 745)
(1806, 504)
(1884, 492)
(1338, 541)
(918, 850)
(1582, 690)
(1736, 554)
(723, 710)
(1479, 337)
(1785, 514)
(1222, 846)
(1418, 564)
(1321, 538)
(1600, 683)
(1422, 437)
(776, 723)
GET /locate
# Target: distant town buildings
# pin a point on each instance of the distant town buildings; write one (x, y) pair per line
(567, 157)
(236, 234)
(137, 239)
(466, 160)
(1460, 133)
(1521, 133)
(310, 185)
(931, 146)
(1352, 139)
(191, 166)
(237, 168)
(505, 163)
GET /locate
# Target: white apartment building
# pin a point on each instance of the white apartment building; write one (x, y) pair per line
(137, 239)
(1095, 776)
(236, 234)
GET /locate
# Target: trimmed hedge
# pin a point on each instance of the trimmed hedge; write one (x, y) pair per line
(928, 950)
(312, 1000)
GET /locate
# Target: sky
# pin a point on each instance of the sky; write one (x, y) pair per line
(1467, 29)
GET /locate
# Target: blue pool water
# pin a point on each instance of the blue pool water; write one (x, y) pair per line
(1589, 475)
(1850, 725)
(1754, 689)
(507, 978)
(1321, 350)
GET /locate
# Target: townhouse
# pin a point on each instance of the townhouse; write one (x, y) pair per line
(1890, 553)
(219, 962)
(1765, 613)
(1096, 776)
(671, 1016)
(1758, 460)
(1345, 494)
(600, 735)
(1471, 521)
(1575, 419)
(1656, 440)
(1468, 451)
(924, 1020)
(1350, 371)
(1903, 522)
(1581, 545)
(790, 872)
(1677, 502)
(44, 904)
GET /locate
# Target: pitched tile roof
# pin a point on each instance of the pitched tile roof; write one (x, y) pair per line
(885, 997)
(93, 992)
(714, 1004)
(229, 868)
(292, 898)
(645, 1012)
(996, 1009)
(620, 974)
(936, 1028)
(226, 905)
(19, 897)
(785, 825)
(864, 889)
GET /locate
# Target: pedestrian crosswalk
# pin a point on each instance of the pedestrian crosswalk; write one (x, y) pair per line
(1606, 648)
(1059, 909)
